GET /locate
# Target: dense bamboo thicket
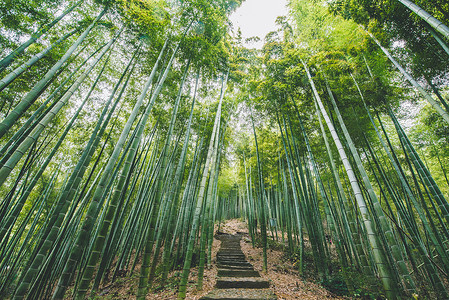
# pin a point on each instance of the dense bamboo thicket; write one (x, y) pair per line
(129, 128)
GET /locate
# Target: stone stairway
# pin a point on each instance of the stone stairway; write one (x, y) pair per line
(237, 278)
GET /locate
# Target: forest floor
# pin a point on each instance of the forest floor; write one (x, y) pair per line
(283, 275)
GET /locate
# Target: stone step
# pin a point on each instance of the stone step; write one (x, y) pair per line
(224, 266)
(234, 263)
(232, 260)
(242, 283)
(225, 272)
(235, 254)
(237, 278)
(240, 294)
(231, 257)
(230, 251)
(239, 253)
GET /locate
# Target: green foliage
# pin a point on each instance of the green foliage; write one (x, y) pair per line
(227, 181)
(148, 18)
(269, 85)
(336, 285)
(21, 16)
(391, 21)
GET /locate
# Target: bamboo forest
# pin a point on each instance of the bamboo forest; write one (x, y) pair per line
(134, 133)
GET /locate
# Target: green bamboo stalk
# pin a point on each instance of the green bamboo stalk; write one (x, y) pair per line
(200, 198)
(90, 217)
(431, 20)
(174, 191)
(103, 229)
(350, 227)
(34, 93)
(421, 90)
(24, 196)
(421, 168)
(5, 81)
(207, 226)
(29, 140)
(397, 256)
(262, 216)
(6, 61)
(316, 218)
(378, 255)
(164, 167)
(296, 202)
(29, 125)
(148, 249)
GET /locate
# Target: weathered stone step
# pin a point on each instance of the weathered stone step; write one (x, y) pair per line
(231, 256)
(225, 272)
(240, 294)
(230, 259)
(239, 253)
(224, 266)
(242, 283)
(238, 263)
(230, 250)
(237, 278)
(231, 253)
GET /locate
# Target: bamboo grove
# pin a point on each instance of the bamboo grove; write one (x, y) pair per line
(116, 127)
(337, 172)
(121, 149)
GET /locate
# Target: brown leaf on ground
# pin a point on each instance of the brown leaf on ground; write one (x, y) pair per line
(209, 280)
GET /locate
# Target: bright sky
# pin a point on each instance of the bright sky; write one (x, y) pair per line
(257, 18)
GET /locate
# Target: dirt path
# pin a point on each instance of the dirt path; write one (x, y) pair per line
(237, 278)
(284, 280)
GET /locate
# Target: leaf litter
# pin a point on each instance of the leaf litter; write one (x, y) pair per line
(282, 274)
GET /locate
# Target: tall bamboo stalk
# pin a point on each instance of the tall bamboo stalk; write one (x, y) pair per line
(377, 251)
